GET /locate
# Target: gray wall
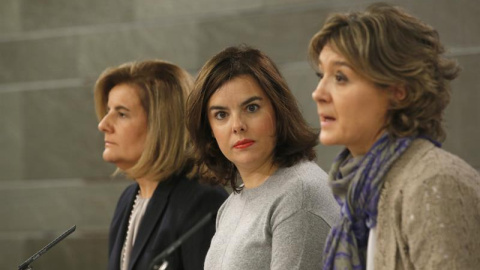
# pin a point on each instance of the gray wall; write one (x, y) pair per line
(51, 51)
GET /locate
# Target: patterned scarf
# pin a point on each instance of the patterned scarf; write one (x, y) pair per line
(356, 184)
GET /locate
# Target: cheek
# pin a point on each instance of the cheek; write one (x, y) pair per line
(361, 119)
(353, 109)
(268, 125)
(220, 135)
(139, 138)
(138, 144)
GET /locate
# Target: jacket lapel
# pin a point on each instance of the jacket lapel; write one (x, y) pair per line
(122, 224)
(153, 214)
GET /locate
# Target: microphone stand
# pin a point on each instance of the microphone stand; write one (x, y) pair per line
(26, 265)
(162, 258)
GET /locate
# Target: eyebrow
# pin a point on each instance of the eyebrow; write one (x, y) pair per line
(118, 108)
(342, 63)
(249, 100)
(338, 63)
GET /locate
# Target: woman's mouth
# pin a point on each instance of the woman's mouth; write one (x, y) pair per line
(325, 120)
(243, 144)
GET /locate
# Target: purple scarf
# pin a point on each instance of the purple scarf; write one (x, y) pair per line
(357, 184)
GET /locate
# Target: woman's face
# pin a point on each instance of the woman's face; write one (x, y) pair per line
(124, 126)
(352, 110)
(242, 120)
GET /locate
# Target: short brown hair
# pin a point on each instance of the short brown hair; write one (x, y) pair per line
(294, 138)
(163, 88)
(392, 48)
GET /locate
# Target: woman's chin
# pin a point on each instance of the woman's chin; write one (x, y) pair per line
(327, 140)
(108, 158)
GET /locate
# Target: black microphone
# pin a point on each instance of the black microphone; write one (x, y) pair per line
(26, 264)
(163, 256)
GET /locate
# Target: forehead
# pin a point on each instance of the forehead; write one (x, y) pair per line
(125, 94)
(237, 90)
(329, 55)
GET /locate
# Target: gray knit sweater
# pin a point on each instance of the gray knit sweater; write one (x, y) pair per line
(281, 224)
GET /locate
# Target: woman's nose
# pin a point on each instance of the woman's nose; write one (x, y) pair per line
(104, 125)
(238, 124)
(320, 94)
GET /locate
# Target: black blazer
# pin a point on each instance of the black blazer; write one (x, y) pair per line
(177, 204)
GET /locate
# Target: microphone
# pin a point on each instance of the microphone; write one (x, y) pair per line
(168, 251)
(26, 264)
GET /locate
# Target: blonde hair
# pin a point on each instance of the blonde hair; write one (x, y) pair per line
(163, 88)
(392, 48)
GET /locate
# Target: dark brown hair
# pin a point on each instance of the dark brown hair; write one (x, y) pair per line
(392, 48)
(294, 138)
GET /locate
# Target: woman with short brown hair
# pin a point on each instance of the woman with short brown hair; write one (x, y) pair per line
(406, 203)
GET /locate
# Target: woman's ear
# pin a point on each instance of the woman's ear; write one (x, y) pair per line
(399, 92)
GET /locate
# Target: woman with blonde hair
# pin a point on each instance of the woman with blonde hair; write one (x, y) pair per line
(141, 108)
(406, 203)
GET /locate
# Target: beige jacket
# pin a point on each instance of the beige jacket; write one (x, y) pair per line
(429, 212)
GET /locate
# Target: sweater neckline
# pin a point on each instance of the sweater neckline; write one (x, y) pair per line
(252, 193)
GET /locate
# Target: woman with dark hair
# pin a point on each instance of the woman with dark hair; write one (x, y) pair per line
(406, 203)
(141, 108)
(246, 126)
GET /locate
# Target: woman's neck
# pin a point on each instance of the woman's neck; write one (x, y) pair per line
(254, 177)
(147, 187)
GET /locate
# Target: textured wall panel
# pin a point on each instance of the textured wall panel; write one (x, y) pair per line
(153, 9)
(456, 21)
(174, 42)
(11, 137)
(463, 113)
(48, 14)
(78, 251)
(9, 16)
(62, 138)
(52, 205)
(38, 59)
(282, 35)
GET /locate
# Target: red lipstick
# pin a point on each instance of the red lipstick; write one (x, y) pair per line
(243, 144)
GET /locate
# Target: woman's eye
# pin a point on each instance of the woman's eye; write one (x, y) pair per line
(122, 115)
(252, 108)
(319, 75)
(220, 115)
(339, 77)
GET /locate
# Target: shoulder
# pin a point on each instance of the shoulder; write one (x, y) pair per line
(440, 174)
(308, 190)
(307, 170)
(304, 175)
(191, 200)
(194, 190)
(428, 184)
(319, 199)
(433, 199)
(189, 193)
(426, 166)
